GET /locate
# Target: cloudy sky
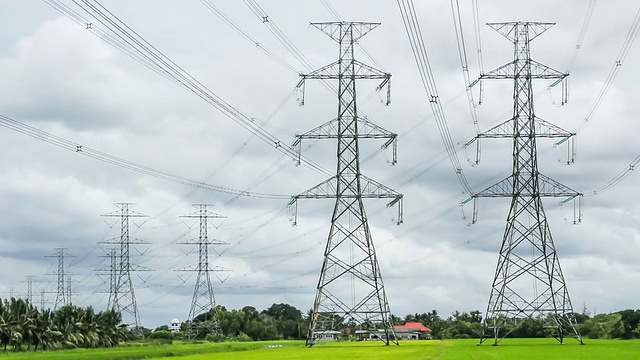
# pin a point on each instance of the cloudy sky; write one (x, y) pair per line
(61, 78)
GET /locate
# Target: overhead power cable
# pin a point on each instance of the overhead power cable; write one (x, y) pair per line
(582, 34)
(462, 53)
(615, 69)
(410, 20)
(618, 178)
(125, 164)
(124, 38)
(227, 20)
(476, 26)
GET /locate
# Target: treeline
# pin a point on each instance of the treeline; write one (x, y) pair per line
(283, 321)
(279, 321)
(23, 325)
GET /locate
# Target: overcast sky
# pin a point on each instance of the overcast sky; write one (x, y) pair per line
(61, 78)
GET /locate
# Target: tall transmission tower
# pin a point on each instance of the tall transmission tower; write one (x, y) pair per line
(528, 282)
(123, 298)
(203, 299)
(61, 293)
(350, 267)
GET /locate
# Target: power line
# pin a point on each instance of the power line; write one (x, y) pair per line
(227, 20)
(124, 38)
(613, 73)
(462, 54)
(414, 34)
(80, 149)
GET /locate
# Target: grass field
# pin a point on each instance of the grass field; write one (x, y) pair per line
(519, 349)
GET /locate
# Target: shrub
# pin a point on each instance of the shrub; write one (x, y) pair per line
(161, 334)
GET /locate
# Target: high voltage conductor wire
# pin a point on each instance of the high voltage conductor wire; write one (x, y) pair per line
(582, 34)
(412, 27)
(615, 69)
(462, 54)
(227, 20)
(132, 44)
(618, 178)
(126, 164)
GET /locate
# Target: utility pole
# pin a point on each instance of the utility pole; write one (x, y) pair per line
(123, 298)
(528, 283)
(61, 298)
(350, 292)
(203, 300)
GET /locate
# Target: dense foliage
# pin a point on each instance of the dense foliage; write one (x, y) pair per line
(283, 321)
(279, 321)
(22, 324)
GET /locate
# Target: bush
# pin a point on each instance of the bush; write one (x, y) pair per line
(215, 338)
(161, 334)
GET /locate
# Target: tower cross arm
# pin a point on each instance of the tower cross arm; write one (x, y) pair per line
(335, 29)
(508, 29)
(370, 189)
(360, 71)
(547, 187)
(366, 129)
(206, 269)
(538, 71)
(543, 128)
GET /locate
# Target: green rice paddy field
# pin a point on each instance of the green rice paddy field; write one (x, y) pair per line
(518, 349)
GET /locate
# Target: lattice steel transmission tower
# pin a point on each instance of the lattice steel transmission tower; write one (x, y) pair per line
(123, 298)
(203, 299)
(112, 272)
(528, 282)
(61, 293)
(350, 292)
(29, 281)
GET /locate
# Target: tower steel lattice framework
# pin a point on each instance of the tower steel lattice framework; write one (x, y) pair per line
(350, 267)
(29, 294)
(203, 299)
(528, 282)
(61, 274)
(111, 271)
(122, 296)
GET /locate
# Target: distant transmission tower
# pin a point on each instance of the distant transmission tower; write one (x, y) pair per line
(42, 299)
(203, 298)
(350, 268)
(69, 288)
(528, 282)
(123, 298)
(29, 281)
(61, 294)
(112, 272)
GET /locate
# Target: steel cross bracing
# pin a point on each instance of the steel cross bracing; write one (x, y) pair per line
(123, 298)
(203, 301)
(528, 282)
(350, 268)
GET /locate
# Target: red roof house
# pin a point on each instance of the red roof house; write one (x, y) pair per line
(412, 331)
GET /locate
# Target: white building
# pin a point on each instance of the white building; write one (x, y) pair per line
(174, 326)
